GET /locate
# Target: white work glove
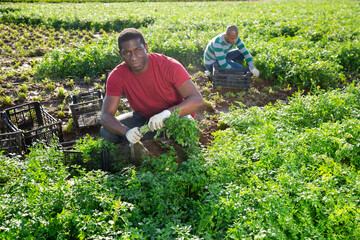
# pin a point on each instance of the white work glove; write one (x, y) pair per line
(157, 121)
(255, 72)
(133, 135)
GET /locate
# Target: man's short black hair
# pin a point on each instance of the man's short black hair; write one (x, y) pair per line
(130, 34)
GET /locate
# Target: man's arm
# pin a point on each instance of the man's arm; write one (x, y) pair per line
(108, 120)
(242, 48)
(193, 99)
(192, 102)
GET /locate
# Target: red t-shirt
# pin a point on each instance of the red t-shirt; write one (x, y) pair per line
(152, 91)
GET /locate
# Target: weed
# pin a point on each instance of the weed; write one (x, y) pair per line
(70, 83)
(217, 98)
(87, 80)
(99, 86)
(70, 126)
(61, 92)
(21, 96)
(37, 98)
(190, 67)
(240, 94)
(214, 117)
(253, 91)
(229, 95)
(6, 100)
(50, 87)
(209, 84)
(23, 88)
(207, 103)
(206, 91)
(61, 114)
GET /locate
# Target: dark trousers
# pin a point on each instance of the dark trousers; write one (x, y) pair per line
(131, 120)
(231, 57)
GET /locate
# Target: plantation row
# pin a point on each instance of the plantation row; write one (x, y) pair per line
(83, 1)
(279, 172)
(20, 40)
(22, 46)
(301, 44)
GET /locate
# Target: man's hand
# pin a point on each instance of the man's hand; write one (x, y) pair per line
(157, 121)
(133, 135)
(255, 72)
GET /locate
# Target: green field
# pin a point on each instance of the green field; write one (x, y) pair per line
(279, 172)
(296, 43)
(283, 171)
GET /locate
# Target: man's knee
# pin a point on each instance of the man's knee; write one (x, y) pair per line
(111, 137)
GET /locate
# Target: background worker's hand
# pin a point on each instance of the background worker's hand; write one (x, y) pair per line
(157, 121)
(255, 72)
(133, 135)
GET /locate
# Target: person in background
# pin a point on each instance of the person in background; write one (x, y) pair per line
(154, 85)
(220, 51)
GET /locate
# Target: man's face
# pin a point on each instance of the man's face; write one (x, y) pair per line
(231, 37)
(134, 53)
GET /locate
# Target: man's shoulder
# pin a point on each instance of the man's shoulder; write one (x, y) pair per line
(121, 67)
(219, 41)
(162, 59)
(120, 70)
(165, 64)
(219, 38)
(158, 56)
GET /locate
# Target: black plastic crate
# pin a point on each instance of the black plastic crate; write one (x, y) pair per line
(231, 78)
(86, 108)
(90, 161)
(11, 139)
(35, 122)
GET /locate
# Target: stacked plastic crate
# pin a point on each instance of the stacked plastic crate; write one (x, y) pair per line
(86, 108)
(24, 124)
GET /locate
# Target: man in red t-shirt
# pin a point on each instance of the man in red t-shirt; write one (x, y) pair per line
(154, 85)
